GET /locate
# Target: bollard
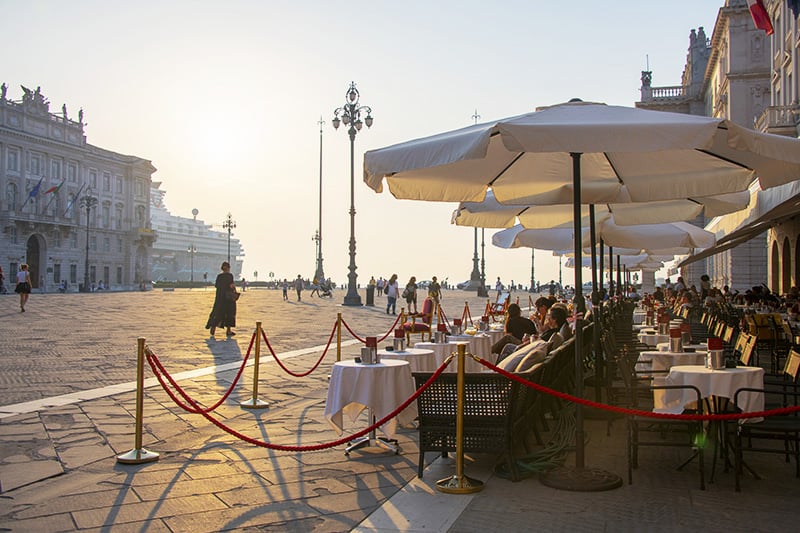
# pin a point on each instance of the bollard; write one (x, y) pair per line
(459, 483)
(254, 402)
(138, 454)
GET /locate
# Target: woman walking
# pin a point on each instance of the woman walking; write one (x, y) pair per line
(23, 286)
(392, 290)
(223, 314)
(410, 294)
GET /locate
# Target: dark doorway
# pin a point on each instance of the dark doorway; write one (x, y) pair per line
(33, 258)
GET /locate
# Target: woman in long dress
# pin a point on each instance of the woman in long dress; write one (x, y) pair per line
(223, 314)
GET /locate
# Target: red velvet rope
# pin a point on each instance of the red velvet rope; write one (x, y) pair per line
(175, 384)
(635, 412)
(363, 341)
(198, 410)
(299, 374)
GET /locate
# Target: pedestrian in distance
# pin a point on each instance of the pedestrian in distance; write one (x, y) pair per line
(392, 292)
(410, 294)
(23, 286)
(435, 291)
(223, 313)
(298, 286)
(285, 288)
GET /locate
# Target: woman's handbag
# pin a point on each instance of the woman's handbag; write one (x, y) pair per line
(232, 296)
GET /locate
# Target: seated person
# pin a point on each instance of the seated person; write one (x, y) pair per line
(558, 329)
(542, 304)
(515, 328)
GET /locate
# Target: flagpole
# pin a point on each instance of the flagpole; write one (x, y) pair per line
(34, 192)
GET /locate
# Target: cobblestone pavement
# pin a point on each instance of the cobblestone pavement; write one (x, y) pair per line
(58, 468)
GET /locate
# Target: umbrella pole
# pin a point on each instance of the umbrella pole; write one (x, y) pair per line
(599, 363)
(579, 478)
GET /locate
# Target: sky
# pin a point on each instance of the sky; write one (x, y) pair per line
(224, 98)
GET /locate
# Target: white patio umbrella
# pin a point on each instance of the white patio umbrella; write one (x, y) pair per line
(583, 153)
(680, 235)
(492, 214)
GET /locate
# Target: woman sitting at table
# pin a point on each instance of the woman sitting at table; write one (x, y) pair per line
(515, 329)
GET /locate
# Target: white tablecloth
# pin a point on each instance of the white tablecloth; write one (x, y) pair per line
(480, 344)
(664, 347)
(663, 360)
(443, 351)
(382, 387)
(418, 359)
(722, 383)
(652, 340)
(639, 316)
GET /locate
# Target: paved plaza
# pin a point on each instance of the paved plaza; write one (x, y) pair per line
(67, 408)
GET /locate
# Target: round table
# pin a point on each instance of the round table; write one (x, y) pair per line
(664, 347)
(381, 387)
(664, 360)
(420, 360)
(442, 351)
(721, 383)
(652, 339)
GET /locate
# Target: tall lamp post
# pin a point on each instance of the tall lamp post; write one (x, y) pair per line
(319, 273)
(475, 277)
(351, 116)
(192, 250)
(229, 225)
(87, 202)
(482, 292)
(533, 271)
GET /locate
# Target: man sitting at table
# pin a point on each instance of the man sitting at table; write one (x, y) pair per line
(558, 329)
(517, 326)
(522, 357)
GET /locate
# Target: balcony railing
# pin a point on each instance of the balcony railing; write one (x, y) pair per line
(676, 91)
(779, 116)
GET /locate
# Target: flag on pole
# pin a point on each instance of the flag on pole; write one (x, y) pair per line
(34, 193)
(69, 204)
(53, 190)
(56, 188)
(760, 15)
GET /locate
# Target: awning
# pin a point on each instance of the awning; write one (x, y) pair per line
(771, 208)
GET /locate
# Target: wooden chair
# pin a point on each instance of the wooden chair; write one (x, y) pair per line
(500, 306)
(420, 323)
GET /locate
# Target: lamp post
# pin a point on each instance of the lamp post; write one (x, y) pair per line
(319, 273)
(192, 250)
(475, 277)
(87, 202)
(351, 116)
(533, 271)
(229, 225)
(482, 292)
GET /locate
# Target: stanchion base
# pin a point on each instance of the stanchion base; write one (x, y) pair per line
(389, 445)
(253, 403)
(459, 485)
(137, 456)
(581, 479)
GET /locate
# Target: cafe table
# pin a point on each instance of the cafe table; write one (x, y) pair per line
(712, 384)
(652, 339)
(664, 347)
(639, 316)
(660, 360)
(380, 388)
(442, 351)
(419, 359)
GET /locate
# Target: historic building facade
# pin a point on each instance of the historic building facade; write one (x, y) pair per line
(188, 249)
(745, 76)
(71, 210)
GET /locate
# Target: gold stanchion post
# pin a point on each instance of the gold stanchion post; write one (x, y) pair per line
(138, 454)
(338, 337)
(254, 402)
(459, 483)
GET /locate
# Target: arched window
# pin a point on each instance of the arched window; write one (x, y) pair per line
(775, 277)
(786, 271)
(11, 196)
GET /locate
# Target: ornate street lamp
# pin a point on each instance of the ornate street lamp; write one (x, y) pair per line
(319, 274)
(87, 202)
(533, 271)
(351, 116)
(482, 292)
(229, 225)
(192, 251)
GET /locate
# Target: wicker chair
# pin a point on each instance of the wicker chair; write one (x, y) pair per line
(488, 416)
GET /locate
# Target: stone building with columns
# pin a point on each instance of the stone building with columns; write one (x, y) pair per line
(741, 74)
(70, 210)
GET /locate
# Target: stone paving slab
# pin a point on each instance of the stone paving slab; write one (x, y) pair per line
(58, 469)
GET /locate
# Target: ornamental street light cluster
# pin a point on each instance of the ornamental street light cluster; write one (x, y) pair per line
(350, 115)
(87, 202)
(192, 251)
(319, 273)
